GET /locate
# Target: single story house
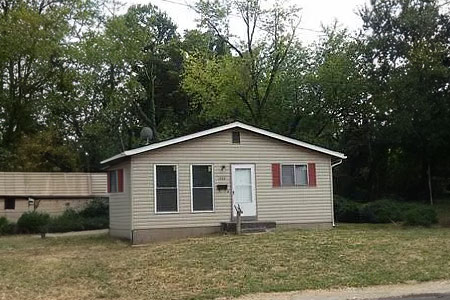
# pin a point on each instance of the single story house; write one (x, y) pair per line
(190, 185)
(48, 192)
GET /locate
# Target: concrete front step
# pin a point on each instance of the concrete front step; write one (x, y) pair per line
(248, 226)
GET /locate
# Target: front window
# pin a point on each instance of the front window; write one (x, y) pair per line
(166, 188)
(294, 175)
(202, 188)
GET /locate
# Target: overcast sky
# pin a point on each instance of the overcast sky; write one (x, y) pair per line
(314, 13)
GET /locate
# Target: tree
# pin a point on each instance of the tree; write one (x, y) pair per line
(246, 90)
(35, 38)
(147, 47)
(407, 49)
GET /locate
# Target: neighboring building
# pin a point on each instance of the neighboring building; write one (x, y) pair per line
(47, 192)
(190, 185)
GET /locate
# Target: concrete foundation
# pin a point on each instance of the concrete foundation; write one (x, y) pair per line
(142, 236)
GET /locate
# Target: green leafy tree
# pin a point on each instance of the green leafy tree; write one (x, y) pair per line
(407, 53)
(244, 80)
(36, 38)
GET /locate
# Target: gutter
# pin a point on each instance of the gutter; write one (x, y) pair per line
(337, 163)
(332, 194)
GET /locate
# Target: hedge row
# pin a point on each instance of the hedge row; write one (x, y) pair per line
(94, 216)
(384, 211)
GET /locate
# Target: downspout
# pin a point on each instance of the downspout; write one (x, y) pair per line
(337, 163)
(332, 194)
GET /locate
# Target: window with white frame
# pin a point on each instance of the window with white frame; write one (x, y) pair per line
(202, 188)
(294, 174)
(166, 188)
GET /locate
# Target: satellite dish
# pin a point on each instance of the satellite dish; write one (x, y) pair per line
(147, 134)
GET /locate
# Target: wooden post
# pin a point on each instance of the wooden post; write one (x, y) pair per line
(238, 219)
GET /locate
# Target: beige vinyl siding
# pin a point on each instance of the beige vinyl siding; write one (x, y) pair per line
(98, 184)
(120, 205)
(282, 204)
(52, 184)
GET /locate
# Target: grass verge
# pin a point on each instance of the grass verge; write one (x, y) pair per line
(205, 268)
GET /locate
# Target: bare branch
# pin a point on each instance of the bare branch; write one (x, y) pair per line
(277, 62)
(223, 38)
(247, 103)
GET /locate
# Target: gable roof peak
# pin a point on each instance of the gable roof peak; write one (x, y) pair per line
(235, 124)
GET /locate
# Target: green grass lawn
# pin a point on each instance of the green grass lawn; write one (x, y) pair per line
(209, 267)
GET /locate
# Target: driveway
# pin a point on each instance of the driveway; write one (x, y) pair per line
(434, 290)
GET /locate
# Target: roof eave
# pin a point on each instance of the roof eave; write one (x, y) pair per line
(115, 157)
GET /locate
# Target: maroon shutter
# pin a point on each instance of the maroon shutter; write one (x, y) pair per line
(120, 180)
(108, 181)
(312, 174)
(276, 180)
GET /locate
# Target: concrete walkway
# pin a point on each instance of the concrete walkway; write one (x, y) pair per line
(421, 297)
(426, 290)
(76, 233)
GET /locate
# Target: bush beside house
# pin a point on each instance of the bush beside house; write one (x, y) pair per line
(6, 227)
(423, 216)
(95, 215)
(384, 211)
(33, 222)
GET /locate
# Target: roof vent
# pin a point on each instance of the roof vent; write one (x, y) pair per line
(236, 137)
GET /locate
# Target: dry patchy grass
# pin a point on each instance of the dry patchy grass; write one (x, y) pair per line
(209, 267)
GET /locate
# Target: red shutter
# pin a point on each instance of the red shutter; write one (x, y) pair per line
(312, 174)
(120, 180)
(276, 180)
(108, 181)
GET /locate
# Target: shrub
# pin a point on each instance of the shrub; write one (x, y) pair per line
(95, 215)
(381, 211)
(70, 220)
(346, 210)
(95, 223)
(95, 208)
(33, 222)
(3, 224)
(6, 227)
(421, 216)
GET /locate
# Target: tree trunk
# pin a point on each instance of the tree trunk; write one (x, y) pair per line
(151, 102)
(153, 109)
(430, 188)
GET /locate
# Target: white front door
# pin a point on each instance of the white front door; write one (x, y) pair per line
(243, 189)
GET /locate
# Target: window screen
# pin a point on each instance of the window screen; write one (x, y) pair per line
(202, 188)
(301, 175)
(294, 175)
(287, 175)
(10, 203)
(166, 189)
(113, 182)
